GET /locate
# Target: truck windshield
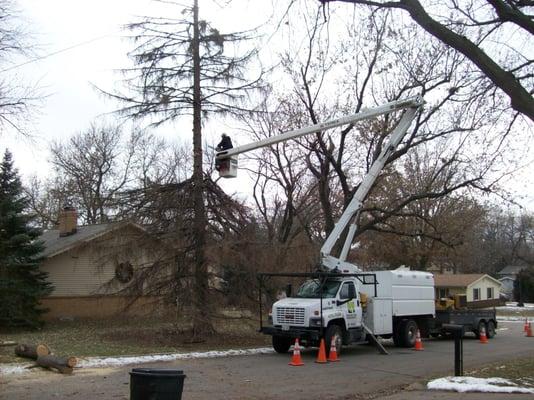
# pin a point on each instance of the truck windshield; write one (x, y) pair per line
(311, 289)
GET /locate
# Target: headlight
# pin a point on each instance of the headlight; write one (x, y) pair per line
(316, 322)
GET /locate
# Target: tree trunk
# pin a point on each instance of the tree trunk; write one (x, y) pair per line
(201, 320)
(32, 351)
(62, 364)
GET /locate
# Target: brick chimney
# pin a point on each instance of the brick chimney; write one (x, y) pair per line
(68, 220)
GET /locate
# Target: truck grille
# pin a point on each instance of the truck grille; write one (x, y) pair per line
(290, 316)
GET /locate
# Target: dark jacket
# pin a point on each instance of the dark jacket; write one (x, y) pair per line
(225, 144)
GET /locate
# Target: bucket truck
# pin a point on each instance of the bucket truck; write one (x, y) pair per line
(340, 300)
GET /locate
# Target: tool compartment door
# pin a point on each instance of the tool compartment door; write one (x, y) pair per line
(379, 317)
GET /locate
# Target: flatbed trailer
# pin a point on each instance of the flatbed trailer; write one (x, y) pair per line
(471, 320)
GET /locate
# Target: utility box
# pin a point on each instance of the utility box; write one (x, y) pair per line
(411, 292)
(378, 316)
(227, 167)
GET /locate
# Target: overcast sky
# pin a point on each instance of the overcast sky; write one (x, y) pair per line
(94, 49)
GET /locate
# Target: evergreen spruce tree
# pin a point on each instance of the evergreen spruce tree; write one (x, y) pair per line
(22, 284)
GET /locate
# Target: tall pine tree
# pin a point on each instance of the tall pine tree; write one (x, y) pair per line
(22, 284)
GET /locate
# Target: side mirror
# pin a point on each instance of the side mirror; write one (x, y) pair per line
(289, 290)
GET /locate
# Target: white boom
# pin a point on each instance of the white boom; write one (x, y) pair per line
(411, 105)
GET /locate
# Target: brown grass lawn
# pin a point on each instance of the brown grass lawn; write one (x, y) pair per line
(133, 336)
(520, 371)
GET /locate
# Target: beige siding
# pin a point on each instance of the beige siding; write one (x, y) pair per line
(75, 273)
(483, 284)
(89, 269)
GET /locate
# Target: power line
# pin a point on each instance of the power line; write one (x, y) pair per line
(74, 46)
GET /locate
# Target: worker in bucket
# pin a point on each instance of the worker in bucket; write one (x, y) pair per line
(224, 144)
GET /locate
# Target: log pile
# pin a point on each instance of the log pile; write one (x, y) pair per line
(43, 358)
(32, 351)
(62, 364)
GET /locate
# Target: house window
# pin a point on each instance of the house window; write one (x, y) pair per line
(476, 294)
(490, 293)
(443, 293)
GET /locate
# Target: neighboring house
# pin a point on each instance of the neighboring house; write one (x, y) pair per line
(507, 277)
(481, 290)
(443, 269)
(89, 267)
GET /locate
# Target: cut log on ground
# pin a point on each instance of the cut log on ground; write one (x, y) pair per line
(32, 351)
(62, 364)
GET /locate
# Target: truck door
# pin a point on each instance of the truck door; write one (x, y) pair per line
(350, 305)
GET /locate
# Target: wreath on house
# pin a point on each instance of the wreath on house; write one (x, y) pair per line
(124, 272)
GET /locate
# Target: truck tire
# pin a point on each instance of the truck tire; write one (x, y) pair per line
(281, 344)
(490, 329)
(396, 336)
(333, 331)
(407, 333)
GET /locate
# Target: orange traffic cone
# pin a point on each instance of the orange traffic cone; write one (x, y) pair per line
(332, 356)
(525, 327)
(296, 361)
(482, 335)
(529, 331)
(321, 356)
(418, 343)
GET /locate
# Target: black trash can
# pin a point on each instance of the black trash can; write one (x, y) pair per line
(156, 384)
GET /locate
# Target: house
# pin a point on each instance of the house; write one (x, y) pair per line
(440, 269)
(481, 290)
(90, 267)
(507, 277)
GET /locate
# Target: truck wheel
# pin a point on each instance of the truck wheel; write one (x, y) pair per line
(490, 329)
(333, 331)
(407, 333)
(396, 336)
(281, 344)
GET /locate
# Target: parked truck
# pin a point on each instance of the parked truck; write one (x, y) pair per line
(340, 300)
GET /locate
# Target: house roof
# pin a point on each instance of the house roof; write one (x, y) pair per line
(55, 244)
(458, 280)
(511, 270)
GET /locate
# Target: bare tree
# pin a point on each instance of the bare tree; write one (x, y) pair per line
(466, 133)
(426, 231)
(470, 27)
(187, 67)
(94, 165)
(17, 99)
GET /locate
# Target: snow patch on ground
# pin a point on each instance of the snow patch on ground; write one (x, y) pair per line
(514, 307)
(14, 369)
(97, 362)
(511, 319)
(93, 362)
(471, 384)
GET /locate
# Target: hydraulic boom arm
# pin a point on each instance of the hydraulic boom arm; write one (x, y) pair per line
(411, 105)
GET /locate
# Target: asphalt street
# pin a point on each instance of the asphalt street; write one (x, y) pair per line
(362, 373)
